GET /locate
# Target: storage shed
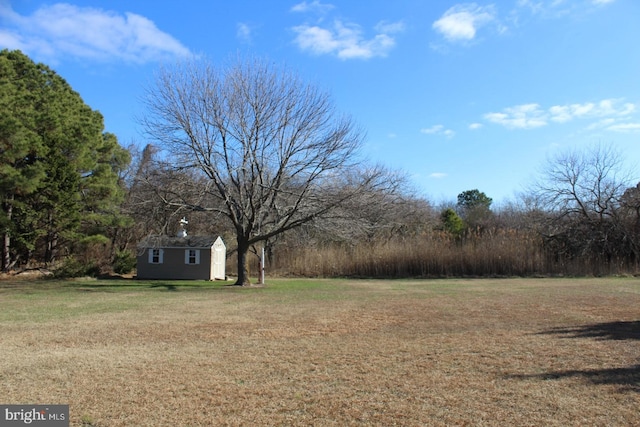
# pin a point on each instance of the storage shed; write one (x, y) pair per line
(183, 257)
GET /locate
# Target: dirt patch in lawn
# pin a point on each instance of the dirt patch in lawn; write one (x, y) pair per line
(409, 353)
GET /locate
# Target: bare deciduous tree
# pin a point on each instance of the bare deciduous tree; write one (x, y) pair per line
(586, 183)
(581, 192)
(271, 148)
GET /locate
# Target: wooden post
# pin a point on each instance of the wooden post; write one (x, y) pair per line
(261, 280)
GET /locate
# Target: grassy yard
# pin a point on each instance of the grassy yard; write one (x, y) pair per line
(523, 352)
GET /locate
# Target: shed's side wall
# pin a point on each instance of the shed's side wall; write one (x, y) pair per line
(218, 260)
(174, 267)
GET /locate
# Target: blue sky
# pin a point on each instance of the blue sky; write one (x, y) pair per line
(460, 95)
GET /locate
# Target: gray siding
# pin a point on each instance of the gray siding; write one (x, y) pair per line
(173, 266)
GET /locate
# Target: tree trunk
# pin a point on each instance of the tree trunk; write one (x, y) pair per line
(6, 239)
(51, 249)
(243, 262)
(6, 255)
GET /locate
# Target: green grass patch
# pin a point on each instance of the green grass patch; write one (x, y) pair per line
(45, 300)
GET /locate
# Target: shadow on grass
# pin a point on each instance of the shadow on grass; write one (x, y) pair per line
(627, 378)
(169, 286)
(616, 331)
(117, 286)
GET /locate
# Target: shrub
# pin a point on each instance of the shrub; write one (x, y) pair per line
(72, 267)
(124, 262)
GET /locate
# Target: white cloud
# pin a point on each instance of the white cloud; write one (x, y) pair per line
(615, 125)
(385, 27)
(605, 108)
(438, 130)
(625, 127)
(313, 7)
(243, 32)
(346, 41)
(601, 124)
(433, 129)
(462, 21)
(526, 116)
(530, 116)
(438, 175)
(475, 126)
(613, 107)
(546, 8)
(316, 40)
(565, 113)
(343, 39)
(87, 33)
(559, 8)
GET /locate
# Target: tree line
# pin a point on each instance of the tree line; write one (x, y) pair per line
(251, 152)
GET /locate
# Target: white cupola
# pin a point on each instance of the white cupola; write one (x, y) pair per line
(182, 232)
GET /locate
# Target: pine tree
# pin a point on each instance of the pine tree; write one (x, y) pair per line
(21, 148)
(59, 170)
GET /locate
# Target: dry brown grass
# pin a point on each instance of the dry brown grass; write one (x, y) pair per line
(526, 352)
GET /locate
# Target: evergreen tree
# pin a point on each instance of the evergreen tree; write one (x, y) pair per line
(21, 148)
(452, 222)
(59, 171)
(475, 207)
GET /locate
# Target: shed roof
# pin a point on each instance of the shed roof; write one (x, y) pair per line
(200, 242)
